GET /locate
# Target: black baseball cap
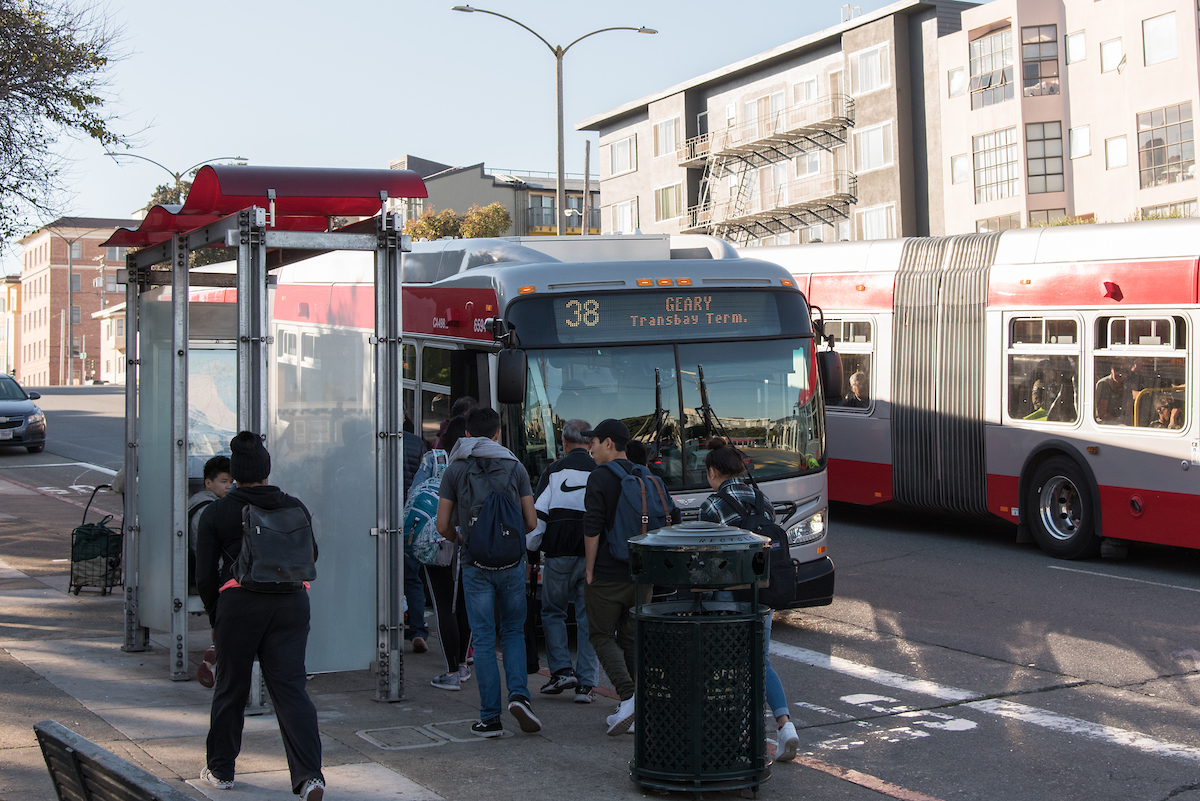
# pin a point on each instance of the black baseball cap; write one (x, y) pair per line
(612, 429)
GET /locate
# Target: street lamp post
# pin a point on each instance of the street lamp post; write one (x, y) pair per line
(178, 176)
(558, 51)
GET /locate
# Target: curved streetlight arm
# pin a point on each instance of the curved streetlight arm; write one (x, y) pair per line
(602, 30)
(178, 176)
(208, 161)
(470, 10)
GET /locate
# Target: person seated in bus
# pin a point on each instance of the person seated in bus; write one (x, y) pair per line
(858, 397)
(1063, 409)
(1169, 413)
(1112, 396)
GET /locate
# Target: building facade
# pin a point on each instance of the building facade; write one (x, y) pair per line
(528, 196)
(10, 312)
(831, 137)
(52, 304)
(111, 360)
(1077, 108)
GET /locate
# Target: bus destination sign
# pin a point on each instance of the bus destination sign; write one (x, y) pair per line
(604, 317)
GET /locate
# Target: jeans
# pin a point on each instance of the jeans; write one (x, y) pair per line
(497, 598)
(773, 687)
(563, 580)
(414, 594)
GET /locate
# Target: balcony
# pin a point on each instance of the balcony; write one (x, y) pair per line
(804, 201)
(795, 128)
(540, 221)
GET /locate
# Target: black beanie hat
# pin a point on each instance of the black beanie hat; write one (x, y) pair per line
(249, 461)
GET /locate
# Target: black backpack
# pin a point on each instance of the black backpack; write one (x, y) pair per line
(490, 519)
(277, 549)
(781, 592)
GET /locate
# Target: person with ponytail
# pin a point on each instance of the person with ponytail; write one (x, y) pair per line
(727, 476)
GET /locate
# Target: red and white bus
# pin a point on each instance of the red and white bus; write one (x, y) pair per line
(1037, 375)
(676, 336)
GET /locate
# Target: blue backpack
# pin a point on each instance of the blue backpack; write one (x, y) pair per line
(490, 518)
(644, 506)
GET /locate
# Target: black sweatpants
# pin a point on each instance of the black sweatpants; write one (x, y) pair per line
(449, 613)
(273, 627)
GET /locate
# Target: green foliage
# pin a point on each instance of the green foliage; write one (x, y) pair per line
(168, 194)
(1158, 215)
(53, 56)
(433, 225)
(1065, 221)
(491, 220)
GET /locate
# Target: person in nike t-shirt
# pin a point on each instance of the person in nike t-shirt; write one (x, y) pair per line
(559, 535)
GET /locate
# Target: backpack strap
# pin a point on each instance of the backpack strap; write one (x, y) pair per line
(663, 498)
(645, 509)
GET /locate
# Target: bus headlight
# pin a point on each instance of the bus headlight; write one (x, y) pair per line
(808, 530)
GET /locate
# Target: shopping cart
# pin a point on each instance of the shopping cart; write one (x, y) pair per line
(95, 553)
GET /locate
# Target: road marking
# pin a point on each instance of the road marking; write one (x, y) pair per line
(1005, 709)
(861, 779)
(1123, 578)
(88, 465)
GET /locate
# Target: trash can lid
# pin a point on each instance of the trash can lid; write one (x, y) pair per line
(698, 535)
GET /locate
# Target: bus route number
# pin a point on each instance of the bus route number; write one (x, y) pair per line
(583, 312)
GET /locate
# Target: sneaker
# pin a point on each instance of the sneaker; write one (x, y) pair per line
(488, 728)
(312, 790)
(447, 681)
(630, 729)
(788, 743)
(470, 654)
(207, 777)
(419, 646)
(207, 674)
(584, 695)
(620, 721)
(464, 673)
(520, 709)
(562, 680)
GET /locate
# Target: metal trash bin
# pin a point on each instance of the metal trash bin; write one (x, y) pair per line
(699, 719)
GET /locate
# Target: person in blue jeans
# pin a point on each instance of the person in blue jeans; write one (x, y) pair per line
(559, 535)
(416, 631)
(494, 597)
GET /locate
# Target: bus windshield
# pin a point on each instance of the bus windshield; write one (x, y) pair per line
(762, 394)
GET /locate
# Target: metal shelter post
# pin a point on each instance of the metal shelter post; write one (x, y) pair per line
(136, 635)
(179, 449)
(389, 458)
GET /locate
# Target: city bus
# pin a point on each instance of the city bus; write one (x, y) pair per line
(1040, 376)
(678, 337)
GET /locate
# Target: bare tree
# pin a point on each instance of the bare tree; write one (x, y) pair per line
(53, 57)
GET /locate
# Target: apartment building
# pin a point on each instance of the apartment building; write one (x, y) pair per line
(111, 360)
(529, 196)
(10, 331)
(1079, 108)
(50, 306)
(834, 136)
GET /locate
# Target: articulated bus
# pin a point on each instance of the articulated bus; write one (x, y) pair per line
(1037, 375)
(677, 336)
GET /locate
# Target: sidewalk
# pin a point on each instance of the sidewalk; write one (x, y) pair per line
(61, 658)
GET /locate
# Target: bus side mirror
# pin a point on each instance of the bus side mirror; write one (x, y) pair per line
(510, 375)
(829, 365)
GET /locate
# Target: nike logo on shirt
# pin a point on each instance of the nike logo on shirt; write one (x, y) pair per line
(565, 487)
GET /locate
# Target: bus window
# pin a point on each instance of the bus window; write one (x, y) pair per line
(854, 347)
(1043, 370)
(410, 361)
(1141, 372)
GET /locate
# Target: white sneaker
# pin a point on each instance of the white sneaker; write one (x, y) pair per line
(312, 790)
(620, 721)
(789, 743)
(464, 673)
(207, 777)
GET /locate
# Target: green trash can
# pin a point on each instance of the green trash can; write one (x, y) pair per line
(699, 720)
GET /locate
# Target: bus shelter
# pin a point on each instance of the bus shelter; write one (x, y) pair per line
(194, 334)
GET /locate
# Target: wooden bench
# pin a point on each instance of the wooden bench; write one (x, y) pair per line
(83, 771)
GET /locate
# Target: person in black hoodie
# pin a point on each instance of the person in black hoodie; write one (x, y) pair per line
(270, 624)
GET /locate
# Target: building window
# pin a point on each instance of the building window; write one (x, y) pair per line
(1004, 222)
(808, 164)
(623, 155)
(991, 69)
(1039, 60)
(1081, 141)
(76, 250)
(75, 282)
(74, 315)
(1112, 55)
(878, 222)
(1184, 208)
(812, 233)
(1076, 47)
(873, 147)
(806, 91)
(1043, 152)
(1166, 145)
(1046, 216)
(960, 169)
(667, 202)
(1159, 42)
(731, 116)
(664, 137)
(624, 217)
(843, 231)
(997, 170)
(115, 254)
(1043, 370)
(956, 80)
(869, 70)
(1115, 153)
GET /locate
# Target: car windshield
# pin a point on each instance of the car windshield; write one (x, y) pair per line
(10, 391)
(761, 394)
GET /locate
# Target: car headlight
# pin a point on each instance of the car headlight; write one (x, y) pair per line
(35, 418)
(808, 530)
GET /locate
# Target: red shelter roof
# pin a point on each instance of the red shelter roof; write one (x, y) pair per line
(304, 198)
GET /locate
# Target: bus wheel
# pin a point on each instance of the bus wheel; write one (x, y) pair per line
(1060, 510)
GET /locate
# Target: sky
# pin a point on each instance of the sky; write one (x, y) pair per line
(311, 84)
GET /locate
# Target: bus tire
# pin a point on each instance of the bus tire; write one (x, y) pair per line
(1061, 510)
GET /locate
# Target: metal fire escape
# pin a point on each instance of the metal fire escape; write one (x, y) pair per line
(757, 204)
